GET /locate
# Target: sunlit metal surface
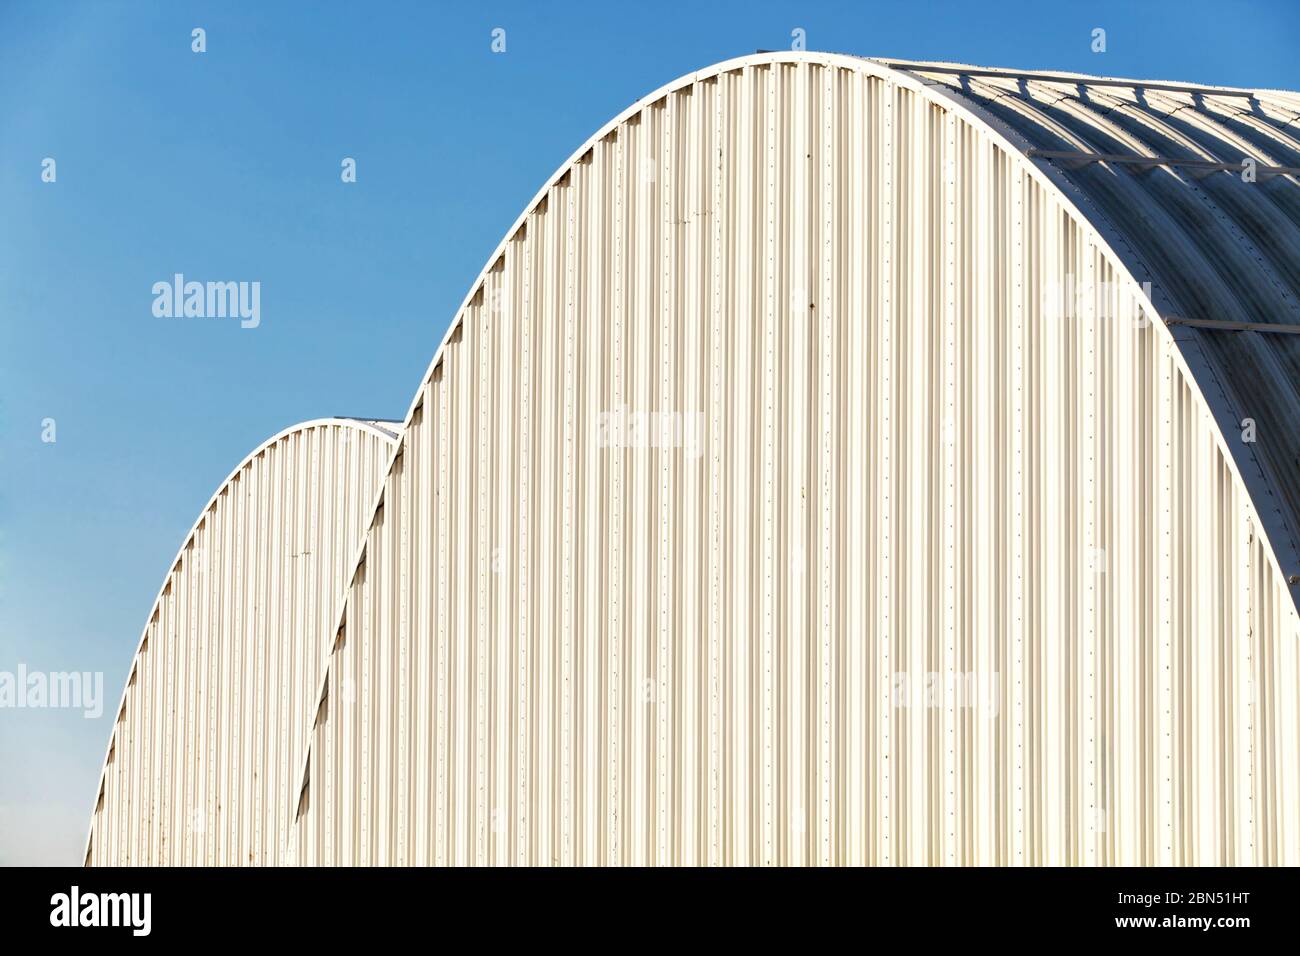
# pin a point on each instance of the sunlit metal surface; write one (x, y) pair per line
(846, 462)
(200, 763)
(945, 437)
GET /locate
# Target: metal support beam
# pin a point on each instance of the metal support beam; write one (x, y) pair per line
(1057, 78)
(1074, 157)
(1219, 325)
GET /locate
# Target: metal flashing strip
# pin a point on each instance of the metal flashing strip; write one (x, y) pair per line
(1071, 157)
(1220, 325)
(1058, 78)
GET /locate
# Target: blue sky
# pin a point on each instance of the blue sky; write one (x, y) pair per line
(225, 165)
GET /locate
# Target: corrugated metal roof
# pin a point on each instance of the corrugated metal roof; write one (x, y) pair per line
(215, 707)
(1214, 245)
(555, 647)
(564, 650)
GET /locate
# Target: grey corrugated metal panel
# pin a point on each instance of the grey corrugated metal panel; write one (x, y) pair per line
(629, 655)
(1202, 264)
(945, 72)
(1284, 104)
(1242, 229)
(197, 767)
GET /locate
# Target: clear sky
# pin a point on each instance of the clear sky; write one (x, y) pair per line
(226, 165)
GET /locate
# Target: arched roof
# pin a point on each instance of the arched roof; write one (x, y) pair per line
(380, 434)
(1151, 170)
(1205, 246)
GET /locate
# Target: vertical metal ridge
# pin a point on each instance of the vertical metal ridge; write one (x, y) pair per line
(942, 454)
(198, 764)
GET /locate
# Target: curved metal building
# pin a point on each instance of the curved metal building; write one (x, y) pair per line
(201, 760)
(847, 461)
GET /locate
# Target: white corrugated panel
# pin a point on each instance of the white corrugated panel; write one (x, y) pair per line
(202, 760)
(955, 570)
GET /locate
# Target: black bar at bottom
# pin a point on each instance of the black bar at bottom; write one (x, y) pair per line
(634, 908)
